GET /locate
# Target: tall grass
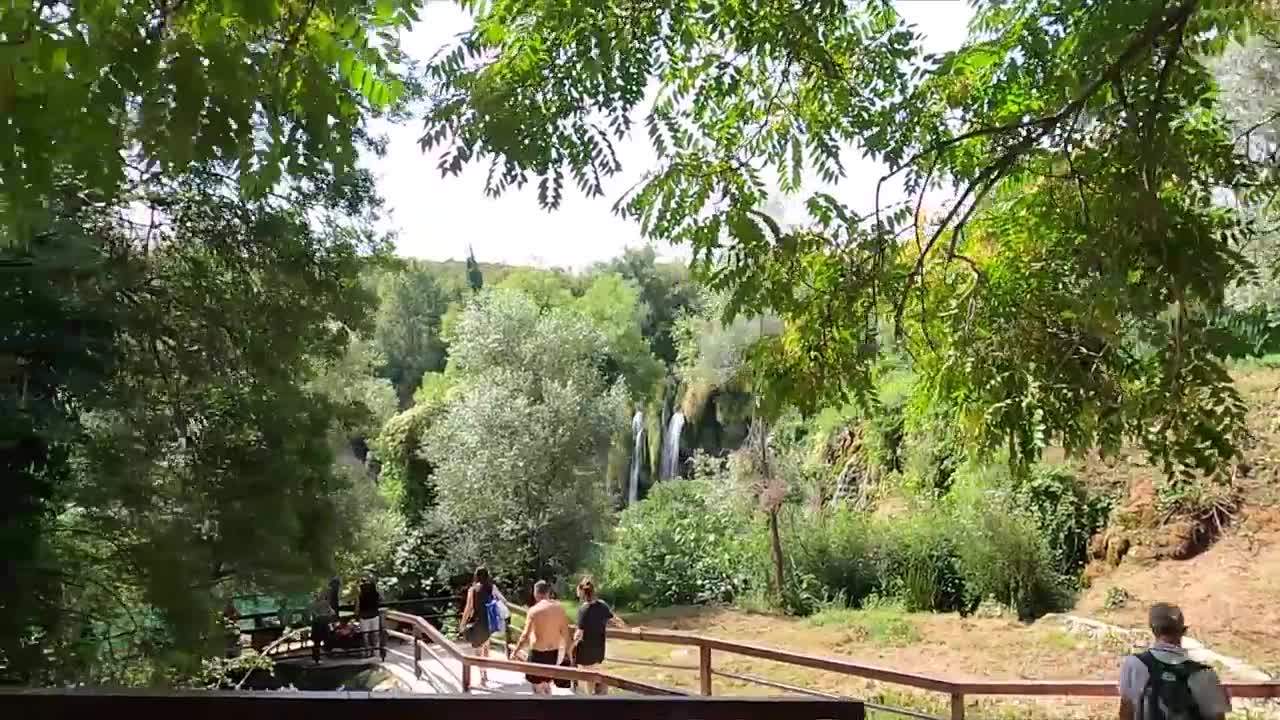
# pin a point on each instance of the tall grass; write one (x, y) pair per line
(943, 557)
(987, 537)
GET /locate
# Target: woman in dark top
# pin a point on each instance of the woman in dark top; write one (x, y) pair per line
(475, 616)
(335, 594)
(588, 642)
(367, 610)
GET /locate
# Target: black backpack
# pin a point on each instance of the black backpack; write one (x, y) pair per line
(1167, 695)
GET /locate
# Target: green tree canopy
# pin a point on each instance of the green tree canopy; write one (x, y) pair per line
(548, 288)
(614, 307)
(1064, 287)
(350, 382)
(407, 328)
(101, 91)
(181, 228)
(530, 505)
(195, 455)
(665, 289)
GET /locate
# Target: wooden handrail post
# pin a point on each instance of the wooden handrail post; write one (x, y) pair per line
(382, 636)
(957, 707)
(417, 653)
(704, 668)
(466, 676)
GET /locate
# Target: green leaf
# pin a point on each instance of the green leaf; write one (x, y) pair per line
(745, 228)
(385, 12)
(58, 59)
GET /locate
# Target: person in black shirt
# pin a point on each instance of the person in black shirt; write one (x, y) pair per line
(335, 594)
(475, 616)
(369, 614)
(588, 642)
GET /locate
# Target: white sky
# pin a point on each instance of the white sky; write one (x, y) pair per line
(438, 217)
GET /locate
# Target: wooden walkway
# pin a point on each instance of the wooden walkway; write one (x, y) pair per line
(440, 672)
(428, 663)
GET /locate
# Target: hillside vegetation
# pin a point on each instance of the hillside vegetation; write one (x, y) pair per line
(1219, 562)
(933, 407)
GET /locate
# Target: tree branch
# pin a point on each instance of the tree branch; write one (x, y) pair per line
(1157, 26)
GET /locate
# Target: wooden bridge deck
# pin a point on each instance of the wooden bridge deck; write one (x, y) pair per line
(440, 672)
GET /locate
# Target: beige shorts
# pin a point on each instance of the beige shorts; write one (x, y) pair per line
(584, 687)
(369, 624)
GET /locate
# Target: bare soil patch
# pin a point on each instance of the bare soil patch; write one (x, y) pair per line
(1230, 595)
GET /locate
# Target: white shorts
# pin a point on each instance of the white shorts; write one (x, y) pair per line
(369, 624)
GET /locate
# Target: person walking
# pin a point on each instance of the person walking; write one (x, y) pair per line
(319, 615)
(369, 614)
(546, 631)
(1163, 683)
(335, 594)
(231, 618)
(476, 627)
(594, 616)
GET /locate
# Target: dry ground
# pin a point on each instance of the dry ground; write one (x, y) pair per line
(944, 645)
(1230, 595)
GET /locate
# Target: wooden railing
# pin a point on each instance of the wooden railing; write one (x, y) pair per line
(220, 705)
(956, 690)
(424, 634)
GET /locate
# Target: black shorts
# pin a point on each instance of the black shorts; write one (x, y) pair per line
(542, 657)
(588, 655)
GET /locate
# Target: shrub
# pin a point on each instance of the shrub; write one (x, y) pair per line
(1116, 598)
(884, 425)
(1066, 515)
(677, 547)
(1004, 556)
(853, 558)
(837, 550)
(932, 449)
(918, 561)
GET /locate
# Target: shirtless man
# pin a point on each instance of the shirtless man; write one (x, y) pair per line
(548, 623)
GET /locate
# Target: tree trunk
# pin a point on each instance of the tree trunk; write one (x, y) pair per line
(776, 542)
(775, 539)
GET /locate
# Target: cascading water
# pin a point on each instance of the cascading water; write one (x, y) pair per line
(637, 435)
(671, 447)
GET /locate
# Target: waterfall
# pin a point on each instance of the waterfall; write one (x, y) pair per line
(671, 447)
(637, 435)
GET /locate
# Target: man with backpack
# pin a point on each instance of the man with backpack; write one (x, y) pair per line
(1163, 683)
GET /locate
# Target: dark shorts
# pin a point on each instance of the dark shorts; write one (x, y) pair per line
(477, 634)
(589, 654)
(542, 657)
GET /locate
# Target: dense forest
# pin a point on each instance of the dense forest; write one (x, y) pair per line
(217, 377)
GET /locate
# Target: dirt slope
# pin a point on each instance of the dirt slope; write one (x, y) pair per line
(1230, 590)
(1230, 595)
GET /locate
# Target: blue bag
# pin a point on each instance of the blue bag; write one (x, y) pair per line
(496, 622)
